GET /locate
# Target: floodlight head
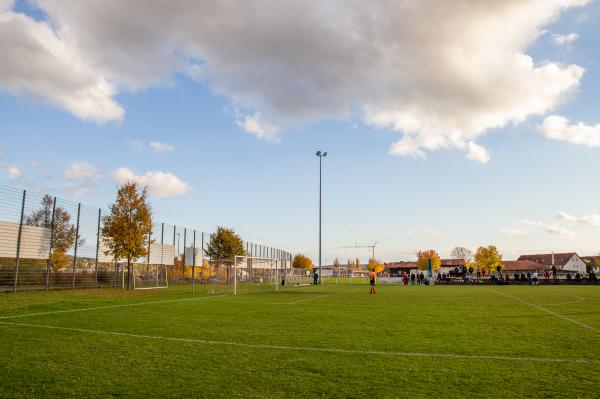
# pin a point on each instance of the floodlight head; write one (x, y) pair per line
(325, 154)
(318, 153)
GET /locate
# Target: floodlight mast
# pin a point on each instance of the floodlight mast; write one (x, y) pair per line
(320, 154)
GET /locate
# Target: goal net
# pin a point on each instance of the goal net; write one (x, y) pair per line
(148, 276)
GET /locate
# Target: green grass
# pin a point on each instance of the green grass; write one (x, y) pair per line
(392, 343)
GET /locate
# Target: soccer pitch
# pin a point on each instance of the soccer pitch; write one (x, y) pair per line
(415, 341)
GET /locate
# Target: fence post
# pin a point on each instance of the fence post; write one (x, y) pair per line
(51, 244)
(183, 257)
(176, 255)
(162, 252)
(194, 264)
(76, 244)
(19, 240)
(98, 244)
(202, 257)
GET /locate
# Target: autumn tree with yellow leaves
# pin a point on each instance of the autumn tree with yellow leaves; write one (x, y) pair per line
(488, 259)
(301, 261)
(423, 260)
(375, 265)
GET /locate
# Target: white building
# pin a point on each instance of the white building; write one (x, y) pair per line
(564, 262)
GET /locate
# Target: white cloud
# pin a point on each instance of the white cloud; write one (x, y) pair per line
(81, 178)
(553, 229)
(160, 147)
(440, 73)
(14, 172)
(257, 124)
(588, 220)
(37, 61)
(563, 40)
(160, 184)
(514, 231)
(477, 152)
(558, 128)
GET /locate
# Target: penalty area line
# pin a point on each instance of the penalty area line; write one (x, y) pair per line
(109, 307)
(305, 349)
(546, 310)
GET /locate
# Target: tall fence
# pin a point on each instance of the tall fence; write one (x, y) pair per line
(51, 243)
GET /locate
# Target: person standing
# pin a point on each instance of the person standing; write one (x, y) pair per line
(412, 278)
(372, 282)
(404, 278)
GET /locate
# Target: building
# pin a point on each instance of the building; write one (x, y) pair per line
(564, 262)
(394, 269)
(522, 266)
(451, 266)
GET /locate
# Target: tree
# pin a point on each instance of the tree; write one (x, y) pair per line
(462, 253)
(336, 267)
(375, 265)
(488, 259)
(357, 264)
(302, 262)
(349, 266)
(64, 233)
(224, 245)
(127, 228)
(423, 260)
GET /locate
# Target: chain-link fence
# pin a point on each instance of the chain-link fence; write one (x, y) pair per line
(50, 243)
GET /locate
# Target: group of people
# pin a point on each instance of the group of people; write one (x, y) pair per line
(415, 278)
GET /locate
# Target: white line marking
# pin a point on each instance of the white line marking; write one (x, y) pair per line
(577, 300)
(307, 349)
(546, 310)
(109, 307)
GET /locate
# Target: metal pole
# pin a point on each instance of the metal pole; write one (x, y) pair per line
(276, 276)
(162, 249)
(19, 240)
(183, 257)
(98, 243)
(194, 264)
(51, 244)
(176, 255)
(76, 243)
(320, 272)
(202, 256)
(235, 275)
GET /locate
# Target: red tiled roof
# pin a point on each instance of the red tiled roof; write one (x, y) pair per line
(522, 265)
(546, 259)
(452, 262)
(400, 265)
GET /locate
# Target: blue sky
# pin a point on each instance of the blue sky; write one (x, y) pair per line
(265, 184)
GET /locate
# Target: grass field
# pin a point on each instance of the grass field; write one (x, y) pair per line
(455, 341)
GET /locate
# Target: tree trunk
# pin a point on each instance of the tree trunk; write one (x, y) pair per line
(129, 274)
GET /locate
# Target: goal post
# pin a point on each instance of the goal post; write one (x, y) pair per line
(250, 272)
(148, 276)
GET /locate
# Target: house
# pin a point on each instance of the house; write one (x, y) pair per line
(393, 269)
(564, 262)
(522, 266)
(451, 266)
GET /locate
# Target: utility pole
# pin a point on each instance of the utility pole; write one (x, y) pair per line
(320, 155)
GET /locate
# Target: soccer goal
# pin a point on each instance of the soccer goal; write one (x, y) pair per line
(255, 273)
(147, 276)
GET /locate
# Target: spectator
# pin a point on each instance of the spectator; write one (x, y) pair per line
(528, 278)
(554, 272)
(422, 277)
(523, 277)
(535, 278)
(569, 277)
(516, 276)
(412, 279)
(577, 277)
(478, 274)
(404, 278)
(546, 275)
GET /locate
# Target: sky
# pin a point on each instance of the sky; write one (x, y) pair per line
(446, 123)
